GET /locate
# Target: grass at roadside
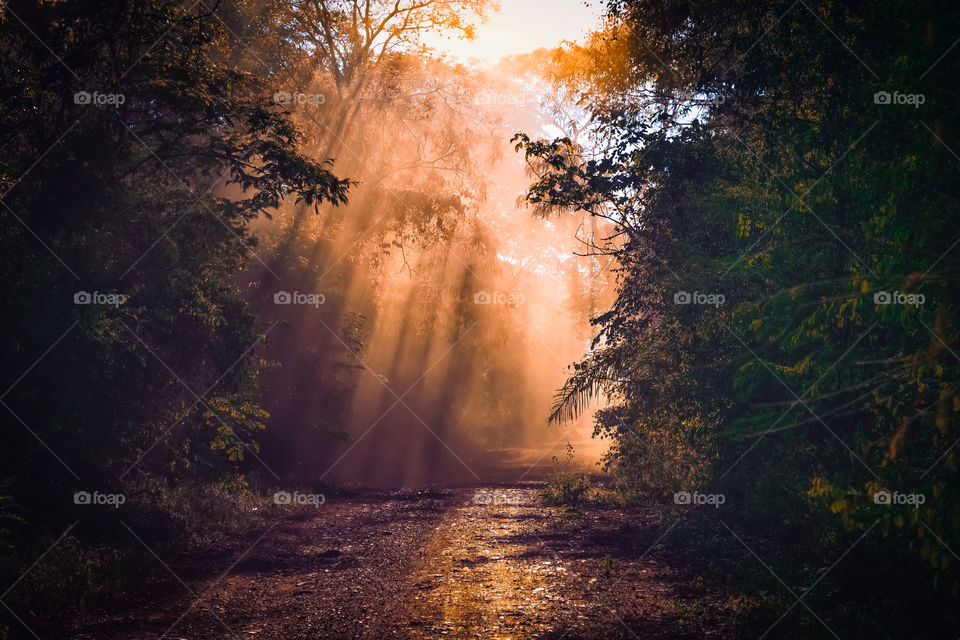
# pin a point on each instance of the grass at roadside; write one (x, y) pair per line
(110, 552)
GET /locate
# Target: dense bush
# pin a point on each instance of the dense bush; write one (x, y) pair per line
(785, 209)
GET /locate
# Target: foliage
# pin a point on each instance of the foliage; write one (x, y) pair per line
(566, 487)
(134, 160)
(746, 150)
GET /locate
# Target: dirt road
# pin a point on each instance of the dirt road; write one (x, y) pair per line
(458, 563)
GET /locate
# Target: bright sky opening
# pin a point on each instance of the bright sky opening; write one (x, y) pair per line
(522, 26)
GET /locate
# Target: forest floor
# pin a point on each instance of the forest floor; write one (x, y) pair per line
(489, 562)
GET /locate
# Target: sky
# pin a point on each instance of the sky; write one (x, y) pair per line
(524, 25)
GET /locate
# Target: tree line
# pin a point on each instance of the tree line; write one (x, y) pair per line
(781, 177)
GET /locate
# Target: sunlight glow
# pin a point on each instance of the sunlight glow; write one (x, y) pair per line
(522, 26)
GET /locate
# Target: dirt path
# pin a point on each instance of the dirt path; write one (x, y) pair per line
(461, 563)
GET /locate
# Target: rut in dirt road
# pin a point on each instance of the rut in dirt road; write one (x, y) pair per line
(503, 566)
(460, 563)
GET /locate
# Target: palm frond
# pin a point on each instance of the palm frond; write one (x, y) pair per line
(575, 395)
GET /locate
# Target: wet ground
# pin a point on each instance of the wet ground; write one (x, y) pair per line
(486, 562)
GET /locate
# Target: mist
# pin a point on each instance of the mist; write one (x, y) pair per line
(450, 315)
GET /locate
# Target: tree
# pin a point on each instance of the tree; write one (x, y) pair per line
(133, 163)
(750, 151)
